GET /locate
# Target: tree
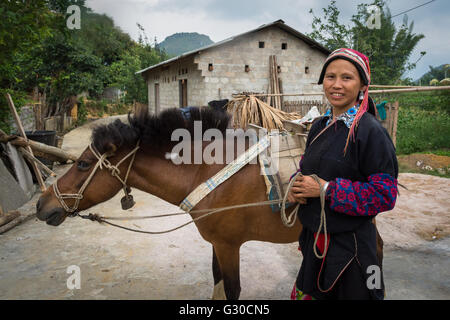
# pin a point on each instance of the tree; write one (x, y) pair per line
(22, 24)
(122, 73)
(388, 47)
(37, 50)
(437, 73)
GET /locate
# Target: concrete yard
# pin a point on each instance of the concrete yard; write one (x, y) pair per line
(119, 264)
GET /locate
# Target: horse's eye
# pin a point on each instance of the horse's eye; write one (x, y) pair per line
(83, 165)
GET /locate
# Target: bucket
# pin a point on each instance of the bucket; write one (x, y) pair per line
(46, 137)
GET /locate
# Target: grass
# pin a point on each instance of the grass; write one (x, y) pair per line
(423, 127)
(423, 121)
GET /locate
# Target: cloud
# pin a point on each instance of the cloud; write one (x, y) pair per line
(221, 19)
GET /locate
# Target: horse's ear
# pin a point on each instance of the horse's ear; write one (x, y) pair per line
(110, 148)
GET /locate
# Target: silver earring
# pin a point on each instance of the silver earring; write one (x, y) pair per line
(361, 95)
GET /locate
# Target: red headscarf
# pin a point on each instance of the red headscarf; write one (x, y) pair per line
(361, 62)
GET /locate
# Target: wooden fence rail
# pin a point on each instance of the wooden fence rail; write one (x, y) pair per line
(390, 123)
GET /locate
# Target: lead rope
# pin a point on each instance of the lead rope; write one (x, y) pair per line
(323, 220)
(100, 219)
(287, 221)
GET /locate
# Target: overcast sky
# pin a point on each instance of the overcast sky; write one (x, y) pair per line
(220, 19)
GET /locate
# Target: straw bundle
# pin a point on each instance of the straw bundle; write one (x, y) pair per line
(249, 109)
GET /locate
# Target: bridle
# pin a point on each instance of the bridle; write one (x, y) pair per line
(102, 162)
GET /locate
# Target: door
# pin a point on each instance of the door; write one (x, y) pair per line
(157, 107)
(183, 93)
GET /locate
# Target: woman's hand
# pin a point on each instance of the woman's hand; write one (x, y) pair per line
(293, 198)
(304, 187)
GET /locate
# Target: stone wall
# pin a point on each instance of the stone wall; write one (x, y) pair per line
(26, 115)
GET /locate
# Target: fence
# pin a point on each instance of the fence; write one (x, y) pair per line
(390, 123)
(303, 106)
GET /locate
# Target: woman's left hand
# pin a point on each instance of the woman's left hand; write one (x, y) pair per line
(306, 187)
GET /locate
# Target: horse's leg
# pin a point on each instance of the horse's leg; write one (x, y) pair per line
(380, 249)
(219, 291)
(228, 258)
(379, 245)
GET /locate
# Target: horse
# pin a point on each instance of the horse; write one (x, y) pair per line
(150, 169)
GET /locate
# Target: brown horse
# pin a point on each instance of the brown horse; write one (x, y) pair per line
(152, 172)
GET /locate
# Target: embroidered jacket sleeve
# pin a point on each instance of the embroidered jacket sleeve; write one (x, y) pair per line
(377, 162)
(363, 198)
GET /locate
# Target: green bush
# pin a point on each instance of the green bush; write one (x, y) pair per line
(421, 130)
(423, 121)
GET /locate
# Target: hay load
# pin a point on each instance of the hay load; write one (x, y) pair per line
(250, 109)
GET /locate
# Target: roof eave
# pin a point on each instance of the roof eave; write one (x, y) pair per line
(280, 23)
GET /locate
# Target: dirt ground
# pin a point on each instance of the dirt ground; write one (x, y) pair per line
(424, 163)
(118, 264)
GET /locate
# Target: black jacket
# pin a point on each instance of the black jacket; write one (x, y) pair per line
(352, 238)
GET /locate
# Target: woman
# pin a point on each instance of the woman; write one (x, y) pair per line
(350, 157)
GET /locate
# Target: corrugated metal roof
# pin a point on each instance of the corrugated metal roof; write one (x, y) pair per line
(279, 23)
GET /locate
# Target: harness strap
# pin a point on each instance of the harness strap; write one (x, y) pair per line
(209, 185)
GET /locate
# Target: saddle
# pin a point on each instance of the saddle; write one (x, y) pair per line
(282, 158)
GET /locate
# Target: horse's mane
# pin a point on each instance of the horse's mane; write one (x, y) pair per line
(156, 130)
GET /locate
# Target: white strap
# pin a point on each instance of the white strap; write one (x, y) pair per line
(209, 185)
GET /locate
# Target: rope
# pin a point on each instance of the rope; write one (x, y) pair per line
(323, 220)
(100, 219)
(287, 221)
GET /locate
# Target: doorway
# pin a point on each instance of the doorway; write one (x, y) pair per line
(157, 106)
(183, 92)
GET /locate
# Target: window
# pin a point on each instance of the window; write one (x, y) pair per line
(210, 67)
(283, 46)
(306, 70)
(247, 68)
(261, 44)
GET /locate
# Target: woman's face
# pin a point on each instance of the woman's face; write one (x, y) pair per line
(342, 84)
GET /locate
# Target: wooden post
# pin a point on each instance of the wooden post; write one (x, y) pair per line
(22, 133)
(394, 126)
(388, 118)
(37, 108)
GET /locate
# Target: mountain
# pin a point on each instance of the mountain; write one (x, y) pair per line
(179, 43)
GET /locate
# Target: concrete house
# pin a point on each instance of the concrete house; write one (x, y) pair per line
(234, 65)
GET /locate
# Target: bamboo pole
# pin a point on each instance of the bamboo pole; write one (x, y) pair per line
(418, 89)
(240, 95)
(30, 157)
(391, 86)
(22, 133)
(8, 217)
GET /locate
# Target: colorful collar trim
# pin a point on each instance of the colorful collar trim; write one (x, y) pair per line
(347, 116)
